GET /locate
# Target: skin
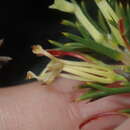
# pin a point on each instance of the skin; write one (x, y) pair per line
(38, 107)
(124, 126)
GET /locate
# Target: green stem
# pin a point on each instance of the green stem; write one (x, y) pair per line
(96, 35)
(99, 87)
(91, 95)
(125, 111)
(110, 91)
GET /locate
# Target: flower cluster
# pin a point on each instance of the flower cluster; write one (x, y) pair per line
(107, 36)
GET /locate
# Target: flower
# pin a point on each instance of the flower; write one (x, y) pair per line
(82, 71)
(107, 36)
(69, 7)
(63, 5)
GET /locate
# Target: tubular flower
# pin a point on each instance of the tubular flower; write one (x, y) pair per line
(102, 45)
(63, 5)
(82, 71)
(72, 7)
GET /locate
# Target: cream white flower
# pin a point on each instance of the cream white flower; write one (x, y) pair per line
(82, 71)
(69, 7)
(63, 5)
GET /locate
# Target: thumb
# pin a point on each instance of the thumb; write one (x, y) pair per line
(93, 111)
(124, 126)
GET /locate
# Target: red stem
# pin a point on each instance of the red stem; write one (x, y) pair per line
(117, 84)
(122, 32)
(59, 53)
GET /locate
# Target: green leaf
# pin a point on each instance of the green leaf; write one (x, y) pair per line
(86, 23)
(83, 32)
(99, 94)
(68, 23)
(92, 45)
(55, 43)
(125, 111)
(106, 10)
(103, 23)
(96, 86)
(83, 7)
(92, 95)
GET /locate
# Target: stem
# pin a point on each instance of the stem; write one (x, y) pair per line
(125, 111)
(108, 92)
(96, 35)
(91, 95)
(97, 86)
